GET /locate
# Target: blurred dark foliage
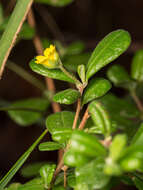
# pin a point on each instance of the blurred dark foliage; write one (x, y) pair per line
(87, 20)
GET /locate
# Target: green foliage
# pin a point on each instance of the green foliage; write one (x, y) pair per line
(111, 47)
(137, 66)
(68, 96)
(51, 73)
(49, 146)
(100, 117)
(120, 78)
(96, 178)
(56, 3)
(4, 181)
(32, 169)
(102, 146)
(12, 27)
(47, 172)
(95, 89)
(25, 117)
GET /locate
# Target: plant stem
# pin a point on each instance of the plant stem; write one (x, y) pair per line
(78, 83)
(77, 113)
(25, 75)
(84, 119)
(137, 101)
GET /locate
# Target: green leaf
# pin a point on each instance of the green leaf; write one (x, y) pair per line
(137, 66)
(72, 62)
(120, 110)
(31, 187)
(12, 29)
(47, 173)
(68, 96)
(51, 73)
(118, 144)
(100, 117)
(138, 183)
(71, 180)
(84, 143)
(132, 158)
(31, 169)
(92, 175)
(56, 3)
(49, 146)
(4, 181)
(81, 73)
(60, 120)
(111, 47)
(75, 48)
(75, 159)
(120, 78)
(62, 135)
(95, 89)
(138, 137)
(25, 118)
(13, 186)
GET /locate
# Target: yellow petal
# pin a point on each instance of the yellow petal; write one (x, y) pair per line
(40, 59)
(46, 52)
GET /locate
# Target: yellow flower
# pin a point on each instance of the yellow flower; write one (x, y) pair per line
(50, 59)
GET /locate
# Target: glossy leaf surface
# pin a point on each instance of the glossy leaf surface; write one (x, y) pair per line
(47, 173)
(111, 47)
(60, 120)
(86, 144)
(81, 73)
(138, 183)
(95, 89)
(50, 146)
(75, 159)
(51, 73)
(62, 135)
(68, 96)
(100, 117)
(25, 118)
(137, 66)
(94, 170)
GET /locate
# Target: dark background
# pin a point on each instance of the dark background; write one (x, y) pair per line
(87, 20)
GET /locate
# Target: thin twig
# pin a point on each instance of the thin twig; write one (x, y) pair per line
(84, 119)
(137, 101)
(77, 113)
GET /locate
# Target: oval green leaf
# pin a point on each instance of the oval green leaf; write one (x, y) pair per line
(84, 143)
(75, 48)
(95, 89)
(51, 73)
(60, 120)
(50, 146)
(137, 66)
(119, 76)
(111, 47)
(62, 135)
(68, 96)
(100, 117)
(138, 137)
(28, 117)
